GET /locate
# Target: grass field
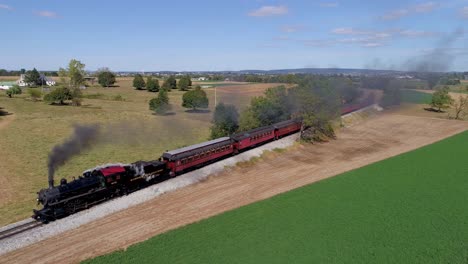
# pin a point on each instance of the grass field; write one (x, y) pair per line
(36, 127)
(415, 97)
(407, 209)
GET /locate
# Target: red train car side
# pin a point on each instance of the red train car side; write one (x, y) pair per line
(287, 127)
(253, 137)
(196, 155)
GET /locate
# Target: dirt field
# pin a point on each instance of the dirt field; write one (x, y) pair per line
(367, 142)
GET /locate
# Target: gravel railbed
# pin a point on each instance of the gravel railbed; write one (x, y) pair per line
(54, 228)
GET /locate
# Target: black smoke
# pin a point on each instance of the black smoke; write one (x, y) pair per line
(84, 136)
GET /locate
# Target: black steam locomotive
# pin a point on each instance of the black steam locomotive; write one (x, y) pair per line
(94, 186)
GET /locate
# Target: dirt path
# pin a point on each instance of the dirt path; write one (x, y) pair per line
(373, 140)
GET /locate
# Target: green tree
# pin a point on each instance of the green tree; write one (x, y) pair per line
(15, 89)
(170, 83)
(195, 99)
(160, 104)
(184, 83)
(77, 97)
(33, 78)
(139, 82)
(152, 85)
(59, 96)
(34, 94)
(441, 99)
(460, 106)
(74, 74)
(106, 78)
(248, 120)
(225, 120)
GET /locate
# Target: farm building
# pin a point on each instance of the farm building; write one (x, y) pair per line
(46, 80)
(6, 85)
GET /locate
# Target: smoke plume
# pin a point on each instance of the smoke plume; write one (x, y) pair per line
(438, 59)
(83, 138)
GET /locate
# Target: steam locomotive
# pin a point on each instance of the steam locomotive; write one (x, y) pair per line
(106, 182)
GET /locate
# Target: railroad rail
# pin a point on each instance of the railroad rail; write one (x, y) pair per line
(19, 229)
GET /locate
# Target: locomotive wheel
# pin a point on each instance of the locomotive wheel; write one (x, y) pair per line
(72, 206)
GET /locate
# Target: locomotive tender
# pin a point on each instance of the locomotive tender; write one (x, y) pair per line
(108, 181)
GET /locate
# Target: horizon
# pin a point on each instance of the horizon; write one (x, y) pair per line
(212, 36)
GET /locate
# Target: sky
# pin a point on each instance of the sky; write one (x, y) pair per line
(145, 35)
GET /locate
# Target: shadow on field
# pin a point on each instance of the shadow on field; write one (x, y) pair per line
(166, 114)
(430, 109)
(3, 112)
(198, 111)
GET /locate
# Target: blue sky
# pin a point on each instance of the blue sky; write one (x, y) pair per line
(144, 35)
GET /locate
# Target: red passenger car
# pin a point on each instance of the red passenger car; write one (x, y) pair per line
(286, 127)
(197, 155)
(253, 137)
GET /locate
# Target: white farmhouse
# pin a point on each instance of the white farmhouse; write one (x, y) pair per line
(46, 80)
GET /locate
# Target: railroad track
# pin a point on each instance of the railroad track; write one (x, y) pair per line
(19, 229)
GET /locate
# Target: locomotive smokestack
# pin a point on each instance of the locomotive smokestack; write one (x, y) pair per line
(83, 138)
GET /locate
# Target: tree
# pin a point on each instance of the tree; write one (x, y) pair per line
(74, 74)
(225, 120)
(139, 82)
(184, 83)
(33, 78)
(248, 120)
(195, 99)
(76, 97)
(106, 78)
(152, 85)
(170, 83)
(460, 106)
(35, 94)
(160, 104)
(441, 99)
(266, 110)
(15, 89)
(59, 95)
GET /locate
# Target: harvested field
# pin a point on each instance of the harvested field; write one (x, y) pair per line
(373, 140)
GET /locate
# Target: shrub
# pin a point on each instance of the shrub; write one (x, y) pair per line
(35, 94)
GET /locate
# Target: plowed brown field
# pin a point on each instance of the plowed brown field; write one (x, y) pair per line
(372, 140)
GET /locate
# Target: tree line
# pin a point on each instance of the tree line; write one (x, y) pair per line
(315, 102)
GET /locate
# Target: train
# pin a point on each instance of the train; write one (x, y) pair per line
(108, 181)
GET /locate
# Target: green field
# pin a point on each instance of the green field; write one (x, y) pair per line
(415, 97)
(411, 208)
(36, 127)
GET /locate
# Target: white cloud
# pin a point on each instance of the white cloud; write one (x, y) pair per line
(281, 38)
(464, 12)
(269, 11)
(372, 45)
(425, 7)
(417, 33)
(397, 14)
(290, 29)
(329, 4)
(419, 8)
(7, 7)
(350, 31)
(49, 14)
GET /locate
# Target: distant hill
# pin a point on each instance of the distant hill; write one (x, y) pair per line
(325, 71)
